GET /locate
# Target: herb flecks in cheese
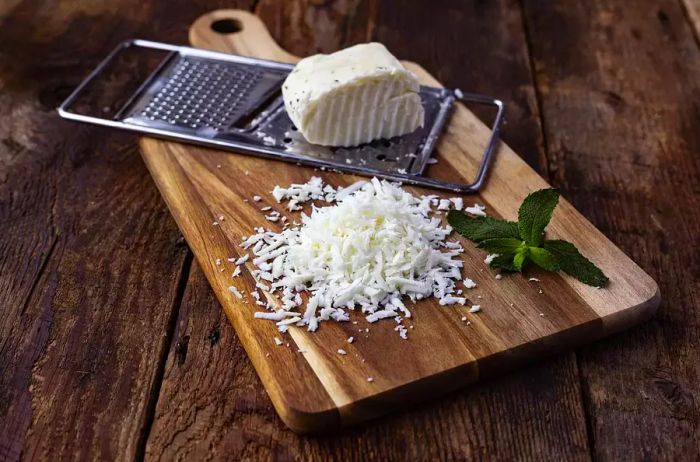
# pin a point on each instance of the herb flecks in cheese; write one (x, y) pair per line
(352, 96)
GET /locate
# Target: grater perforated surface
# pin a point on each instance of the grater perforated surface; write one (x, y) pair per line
(198, 93)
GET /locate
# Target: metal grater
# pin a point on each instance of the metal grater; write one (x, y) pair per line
(234, 102)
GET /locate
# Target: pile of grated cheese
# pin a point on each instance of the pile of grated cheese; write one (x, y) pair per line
(375, 249)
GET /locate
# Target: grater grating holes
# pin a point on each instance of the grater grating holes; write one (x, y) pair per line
(202, 94)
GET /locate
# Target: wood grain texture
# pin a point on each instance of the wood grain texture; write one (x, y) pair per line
(622, 124)
(213, 406)
(692, 8)
(443, 353)
(640, 388)
(212, 402)
(84, 320)
(29, 237)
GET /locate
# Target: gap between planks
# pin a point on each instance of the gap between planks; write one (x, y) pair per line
(154, 395)
(546, 172)
(544, 169)
(166, 348)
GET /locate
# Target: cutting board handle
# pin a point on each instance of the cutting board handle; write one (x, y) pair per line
(239, 32)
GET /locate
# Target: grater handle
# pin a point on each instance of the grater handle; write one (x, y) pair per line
(494, 140)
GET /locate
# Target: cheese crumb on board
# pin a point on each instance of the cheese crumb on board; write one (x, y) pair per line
(403, 332)
(235, 292)
(444, 204)
(457, 202)
(476, 209)
(352, 96)
(450, 300)
(242, 260)
(475, 309)
(489, 258)
(311, 190)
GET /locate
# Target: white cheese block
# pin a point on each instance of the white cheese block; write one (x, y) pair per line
(352, 96)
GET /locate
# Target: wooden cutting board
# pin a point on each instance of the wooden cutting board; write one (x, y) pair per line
(317, 389)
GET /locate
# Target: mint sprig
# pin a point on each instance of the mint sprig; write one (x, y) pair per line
(519, 243)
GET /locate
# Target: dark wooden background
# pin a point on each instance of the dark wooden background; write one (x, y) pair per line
(112, 346)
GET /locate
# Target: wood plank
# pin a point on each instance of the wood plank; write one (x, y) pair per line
(108, 314)
(84, 285)
(622, 125)
(485, 420)
(29, 237)
(212, 404)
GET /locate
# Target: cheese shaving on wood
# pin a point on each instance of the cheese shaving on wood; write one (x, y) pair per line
(235, 292)
(476, 209)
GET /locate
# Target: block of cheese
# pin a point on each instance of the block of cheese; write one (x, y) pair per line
(352, 96)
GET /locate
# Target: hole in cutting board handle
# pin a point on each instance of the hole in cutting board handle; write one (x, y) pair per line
(227, 26)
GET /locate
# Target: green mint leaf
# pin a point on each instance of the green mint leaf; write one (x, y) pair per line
(504, 262)
(574, 264)
(544, 259)
(519, 243)
(520, 258)
(501, 245)
(478, 229)
(535, 213)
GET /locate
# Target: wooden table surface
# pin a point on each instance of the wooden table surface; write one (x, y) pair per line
(112, 346)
